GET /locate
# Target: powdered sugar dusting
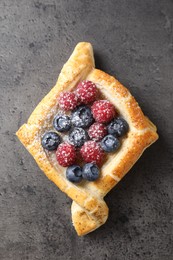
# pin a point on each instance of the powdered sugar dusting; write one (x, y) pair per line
(97, 131)
(65, 154)
(103, 111)
(68, 100)
(86, 91)
(92, 152)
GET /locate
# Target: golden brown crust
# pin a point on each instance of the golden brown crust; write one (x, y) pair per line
(89, 211)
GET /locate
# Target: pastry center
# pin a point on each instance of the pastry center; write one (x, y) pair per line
(84, 131)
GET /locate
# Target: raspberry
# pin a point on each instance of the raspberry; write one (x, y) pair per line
(66, 154)
(103, 111)
(92, 152)
(68, 100)
(97, 131)
(86, 91)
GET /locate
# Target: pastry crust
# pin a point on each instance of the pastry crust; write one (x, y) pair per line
(89, 210)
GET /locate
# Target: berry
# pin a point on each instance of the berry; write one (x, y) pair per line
(92, 152)
(78, 136)
(90, 172)
(82, 117)
(86, 91)
(97, 131)
(68, 100)
(50, 141)
(103, 111)
(66, 154)
(110, 143)
(74, 173)
(118, 127)
(62, 123)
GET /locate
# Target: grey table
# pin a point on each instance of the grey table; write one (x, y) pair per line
(133, 40)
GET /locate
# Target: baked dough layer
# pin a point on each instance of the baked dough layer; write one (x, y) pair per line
(89, 210)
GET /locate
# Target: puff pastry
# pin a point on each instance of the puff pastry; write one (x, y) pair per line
(89, 210)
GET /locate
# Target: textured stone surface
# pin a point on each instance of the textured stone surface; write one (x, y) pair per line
(132, 40)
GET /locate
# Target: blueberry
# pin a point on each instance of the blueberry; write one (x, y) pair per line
(62, 123)
(50, 141)
(110, 143)
(118, 127)
(82, 116)
(90, 172)
(74, 173)
(78, 136)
